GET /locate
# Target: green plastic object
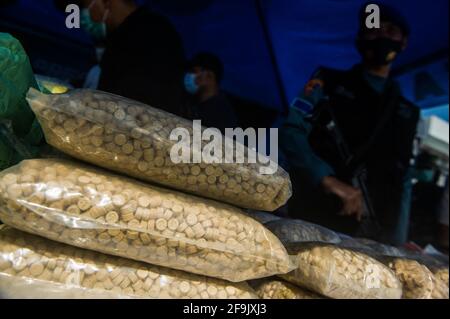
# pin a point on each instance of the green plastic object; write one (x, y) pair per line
(20, 133)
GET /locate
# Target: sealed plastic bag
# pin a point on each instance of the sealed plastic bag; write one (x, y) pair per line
(342, 273)
(90, 208)
(381, 249)
(439, 269)
(442, 274)
(438, 265)
(440, 289)
(417, 280)
(297, 231)
(34, 267)
(133, 138)
(262, 217)
(278, 289)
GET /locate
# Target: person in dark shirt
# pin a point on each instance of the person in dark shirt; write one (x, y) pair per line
(144, 57)
(378, 129)
(207, 102)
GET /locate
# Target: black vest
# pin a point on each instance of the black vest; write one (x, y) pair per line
(358, 110)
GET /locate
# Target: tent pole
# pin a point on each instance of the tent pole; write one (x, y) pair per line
(272, 54)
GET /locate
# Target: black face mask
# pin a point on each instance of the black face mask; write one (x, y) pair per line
(384, 51)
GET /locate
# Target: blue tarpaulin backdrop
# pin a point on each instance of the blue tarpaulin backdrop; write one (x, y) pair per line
(302, 34)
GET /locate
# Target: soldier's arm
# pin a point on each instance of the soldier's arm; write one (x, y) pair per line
(294, 138)
(295, 144)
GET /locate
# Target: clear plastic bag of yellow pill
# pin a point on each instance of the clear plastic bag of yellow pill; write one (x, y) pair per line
(441, 273)
(134, 139)
(440, 288)
(341, 273)
(35, 267)
(90, 208)
(438, 265)
(416, 279)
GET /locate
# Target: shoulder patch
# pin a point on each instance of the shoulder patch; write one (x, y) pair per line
(312, 85)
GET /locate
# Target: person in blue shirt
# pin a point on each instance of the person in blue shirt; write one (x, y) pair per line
(378, 126)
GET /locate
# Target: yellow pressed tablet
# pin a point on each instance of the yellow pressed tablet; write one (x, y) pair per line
(118, 200)
(195, 170)
(112, 217)
(212, 291)
(191, 219)
(120, 115)
(184, 287)
(120, 139)
(84, 204)
(211, 179)
(142, 273)
(127, 148)
(209, 170)
(84, 180)
(223, 179)
(161, 224)
(159, 161)
(144, 201)
(36, 269)
(73, 210)
(149, 155)
(143, 166)
(173, 224)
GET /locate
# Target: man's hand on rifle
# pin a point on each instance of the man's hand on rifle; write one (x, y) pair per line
(351, 197)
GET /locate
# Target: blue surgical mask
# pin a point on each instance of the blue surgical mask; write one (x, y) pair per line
(96, 29)
(190, 83)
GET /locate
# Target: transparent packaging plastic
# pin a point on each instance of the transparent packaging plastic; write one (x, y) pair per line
(35, 267)
(440, 288)
(90, 208)
(380, 249)
(262, 217)
(417, 280)
(438, 266)
(291, 231)
(341, 273)
(132, 138)
(442, 274)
